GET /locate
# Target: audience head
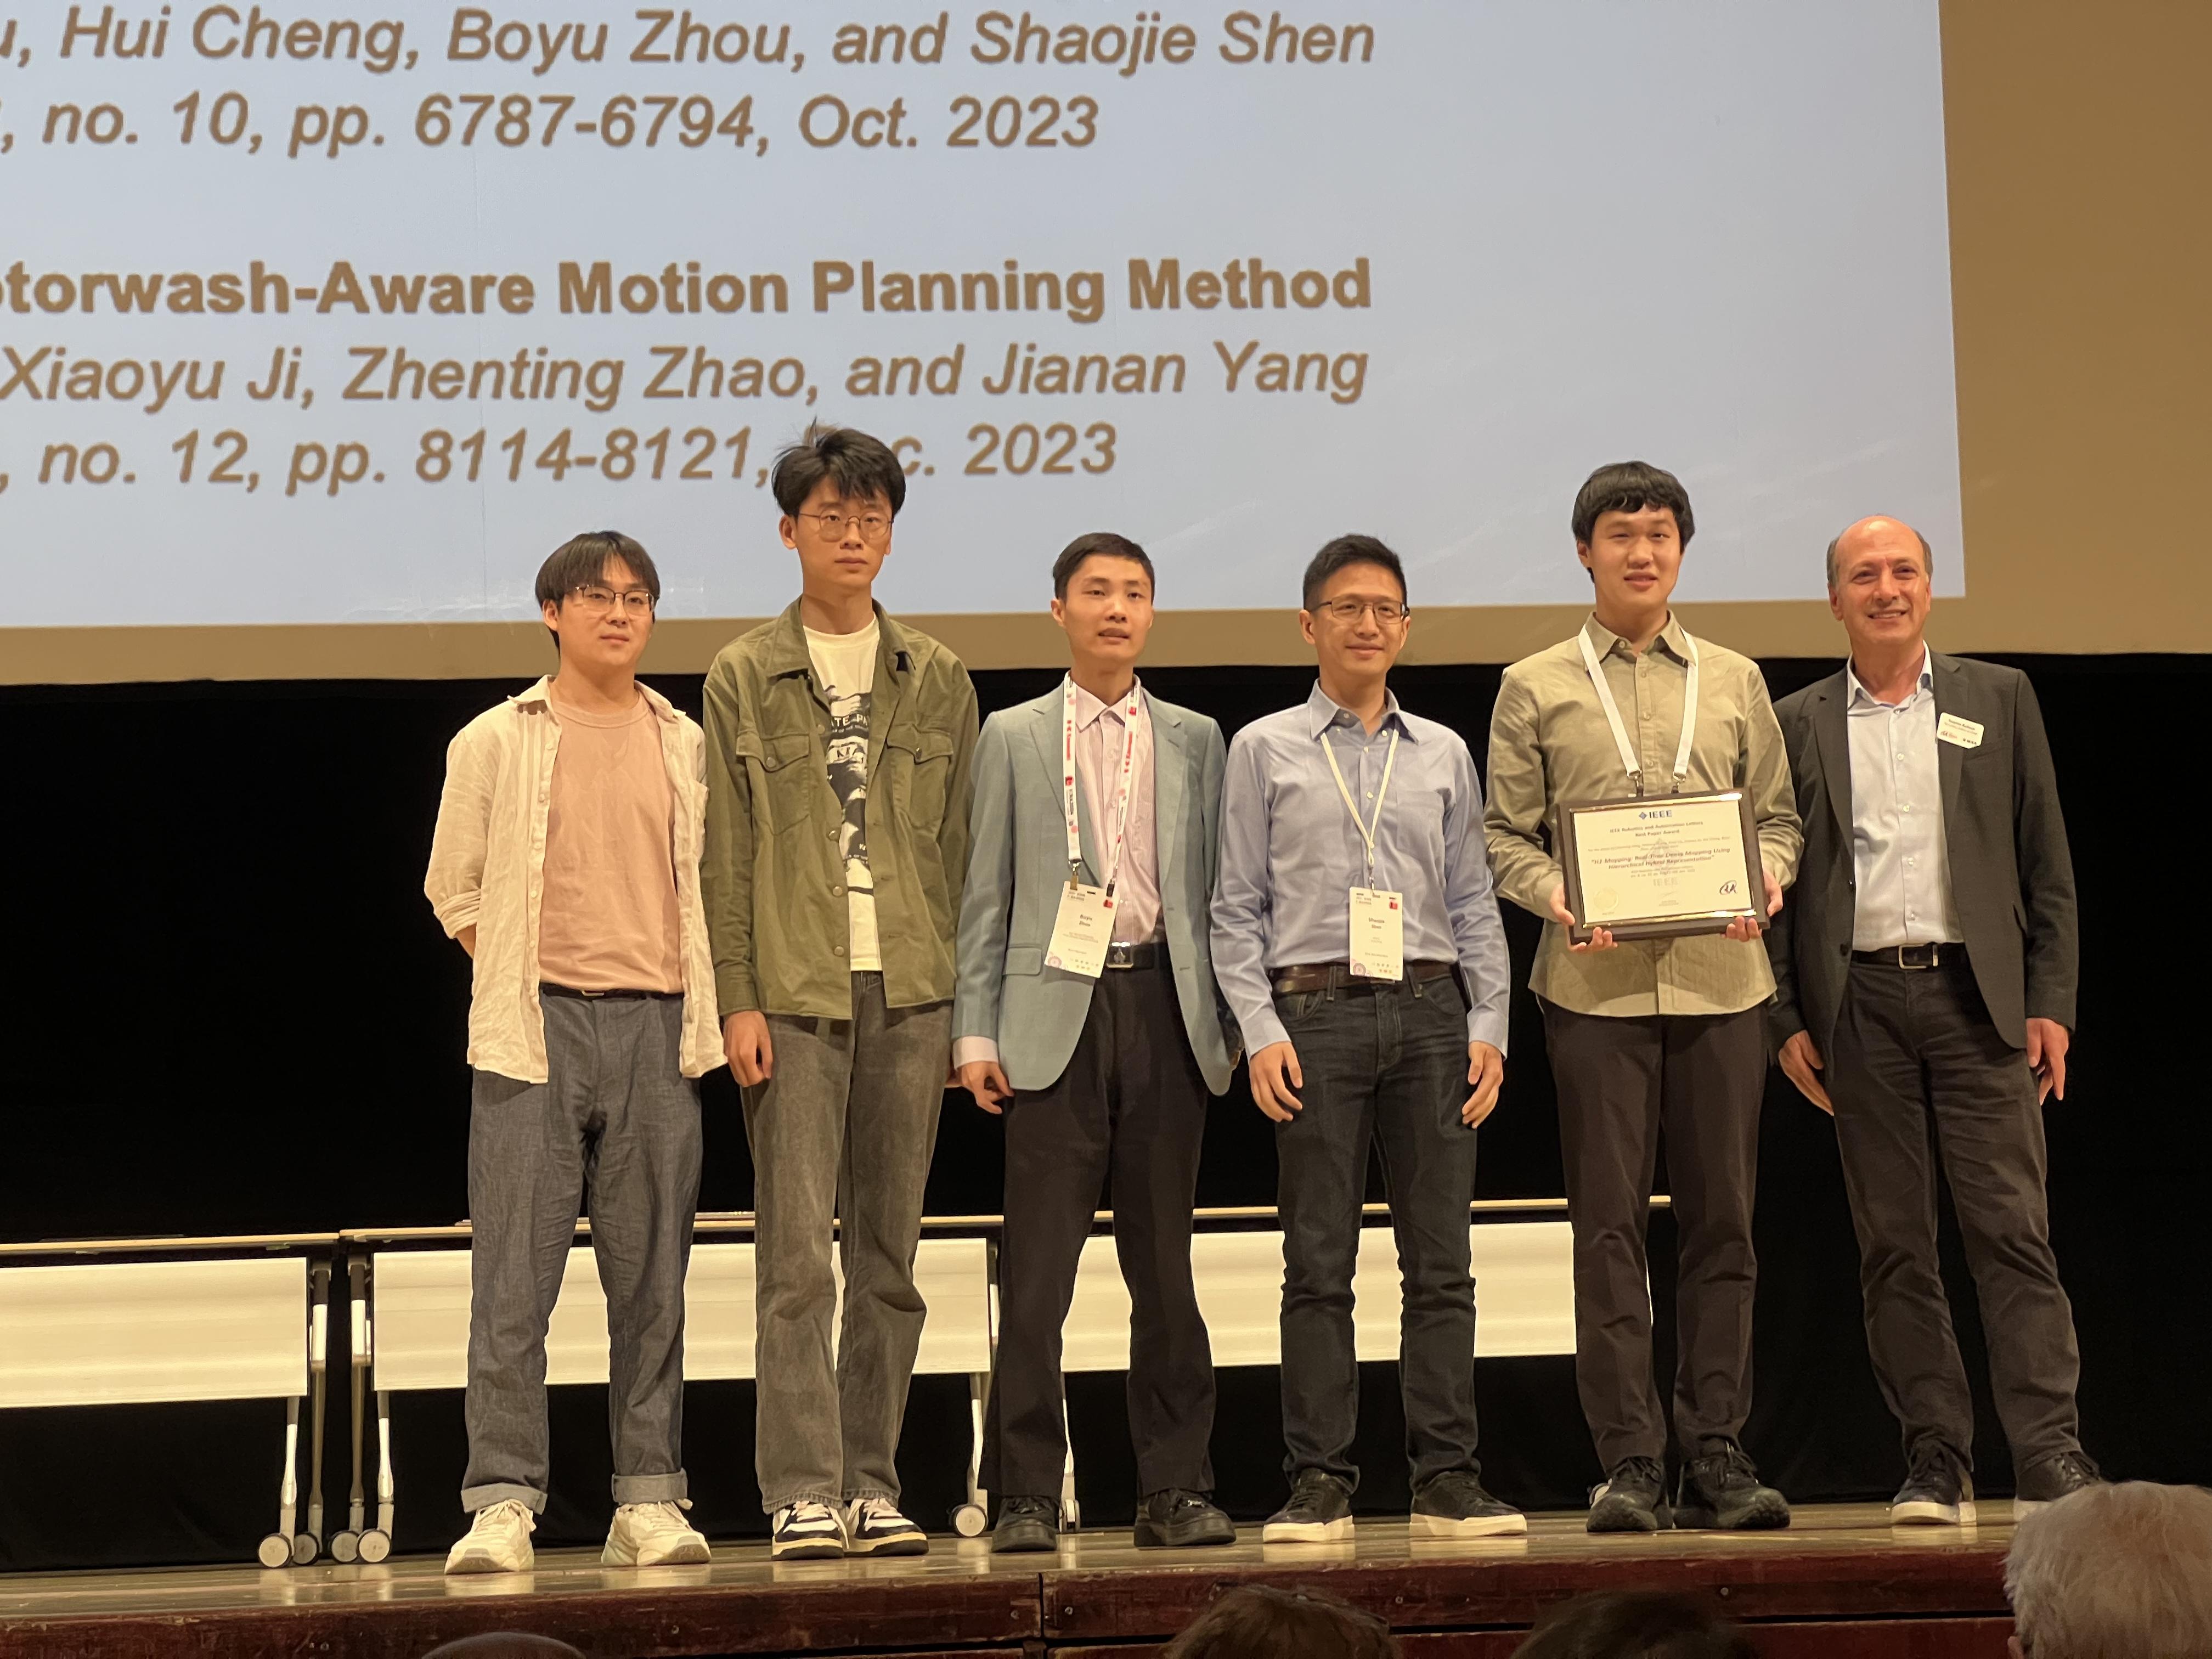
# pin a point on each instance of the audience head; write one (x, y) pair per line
(2122, 1571)
(1634, 1624)
(1260, 1622)
(504, 1644)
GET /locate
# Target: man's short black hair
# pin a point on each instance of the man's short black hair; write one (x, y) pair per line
(582, 560)
(1630, 487)
(862, 469)
(1634, 1624)
(1350, 550)
(1098, 544)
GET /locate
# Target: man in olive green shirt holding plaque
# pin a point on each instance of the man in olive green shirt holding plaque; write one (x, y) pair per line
(1649, 1035)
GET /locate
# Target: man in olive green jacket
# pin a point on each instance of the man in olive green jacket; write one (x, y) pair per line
(838, 748)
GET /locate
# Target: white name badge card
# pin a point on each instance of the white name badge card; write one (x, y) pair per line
(1378, 934)
(1082, 931)
(1966, 733)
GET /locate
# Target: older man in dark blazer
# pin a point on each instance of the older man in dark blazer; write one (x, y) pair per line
(1926, 968)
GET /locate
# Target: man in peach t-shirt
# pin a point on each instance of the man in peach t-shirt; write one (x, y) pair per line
(566, 862)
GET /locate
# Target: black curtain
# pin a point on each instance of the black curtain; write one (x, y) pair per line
(228, 1010)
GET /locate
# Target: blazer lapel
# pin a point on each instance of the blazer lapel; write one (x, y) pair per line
(1047, 731)
(1953, 697)
(1832, 736)
(1168, 761)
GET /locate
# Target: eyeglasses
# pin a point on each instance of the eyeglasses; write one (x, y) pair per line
(593, 600)
(832, 526)
(1349, 611)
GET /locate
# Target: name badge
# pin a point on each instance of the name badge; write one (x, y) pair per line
(1081, 933)
(1378, 934)
(1967, 734)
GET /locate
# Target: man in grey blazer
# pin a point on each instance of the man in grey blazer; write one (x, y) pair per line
(1925, 969)
(1086, 1014)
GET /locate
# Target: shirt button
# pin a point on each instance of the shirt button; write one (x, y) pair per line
(836, 949)
(832, 834)
(835, 888)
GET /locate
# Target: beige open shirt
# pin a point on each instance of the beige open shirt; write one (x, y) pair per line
(1550, 745)
(488, 871)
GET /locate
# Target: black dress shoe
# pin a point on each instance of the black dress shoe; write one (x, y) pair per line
(2052, 1479)
(1633, 1499)
(1026, 1525)
(1174, 1519)
(1720, 1492)
(1938, 1492)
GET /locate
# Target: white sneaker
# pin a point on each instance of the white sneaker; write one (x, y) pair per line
(652, 1535)
(498, 1540)
(807, 1531)
(873, 1526)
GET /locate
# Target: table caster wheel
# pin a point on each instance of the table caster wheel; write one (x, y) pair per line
(306, 1547)
(276, 1551)
(374, 1545)
(968, 1520)
(345, 1547)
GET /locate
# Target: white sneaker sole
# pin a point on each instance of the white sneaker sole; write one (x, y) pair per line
(1307, 1531)
(689, 1553)
(898, 1543)
(806, 1549)
(483, 1561)
(1928, 1514)
(1480, 1526)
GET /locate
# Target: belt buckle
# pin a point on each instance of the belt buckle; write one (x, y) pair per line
(1935, 957)
(1121, 954)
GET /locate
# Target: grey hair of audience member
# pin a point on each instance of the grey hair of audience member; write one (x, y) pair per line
(1634, 1624)
(2122, 1571)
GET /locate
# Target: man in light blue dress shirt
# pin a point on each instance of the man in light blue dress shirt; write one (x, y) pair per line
(1358, 943)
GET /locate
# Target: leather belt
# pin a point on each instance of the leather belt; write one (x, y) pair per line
(1302, 978)
(1151, 954)
(552, 990)
(1914, 958)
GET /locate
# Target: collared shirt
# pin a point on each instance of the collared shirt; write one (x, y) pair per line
(1550, 745)
(1099, 734)
(1899, 858)
(776, 873)
(1291, 855)
(488, 871)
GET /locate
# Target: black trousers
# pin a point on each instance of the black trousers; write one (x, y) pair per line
(1622, 1081)
(1915, 1058)
(1131, 1106)
(1384, 1068)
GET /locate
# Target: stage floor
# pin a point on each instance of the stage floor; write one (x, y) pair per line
(1838, 1581)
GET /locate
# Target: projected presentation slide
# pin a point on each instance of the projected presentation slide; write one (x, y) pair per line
(313, 312)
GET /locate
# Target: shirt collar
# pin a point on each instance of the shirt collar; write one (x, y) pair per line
(540, 696)
(1862, 698)
(1088, 708)
(1327, 712)
(786, 652)
(1673, 636)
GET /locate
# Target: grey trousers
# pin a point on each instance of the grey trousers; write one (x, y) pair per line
(842, 1132)
(618, 1117)
(1915, 1055)
(1700, 1077)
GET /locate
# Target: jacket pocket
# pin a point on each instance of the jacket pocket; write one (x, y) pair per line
(1025, 959)
(784, 781)
(917, 763)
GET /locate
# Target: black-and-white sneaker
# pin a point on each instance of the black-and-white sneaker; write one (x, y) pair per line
(2051, 1478)
(807, 1531)
(1319, 1512)
(1454, 1505)
(873, 1526)
(1937, 1492)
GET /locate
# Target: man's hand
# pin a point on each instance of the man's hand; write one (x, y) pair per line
(1750, 927)
(466, 938)
(1800, 1059)
(1485, 1071)
(983, 1079)
(746, 1044)
(1600, 940)
(1274, 1074)
(2046, 1057)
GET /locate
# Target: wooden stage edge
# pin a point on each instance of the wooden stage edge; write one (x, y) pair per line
(1839, 1583)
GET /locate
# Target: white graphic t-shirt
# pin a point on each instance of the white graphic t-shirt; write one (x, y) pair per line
(845, 664)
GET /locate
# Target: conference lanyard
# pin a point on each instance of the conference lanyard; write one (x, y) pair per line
(1628, 759)
(1120, 818)
(1367, 829)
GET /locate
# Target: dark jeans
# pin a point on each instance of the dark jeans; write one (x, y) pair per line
(1621, 1081)
(1385, 1066)
(1916, 1056)
(616, 1116)
(1132, 1104)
